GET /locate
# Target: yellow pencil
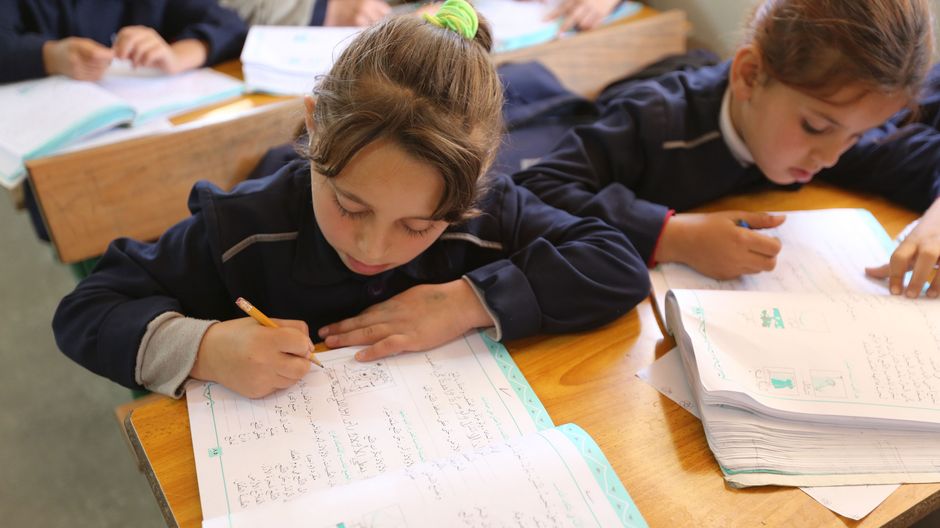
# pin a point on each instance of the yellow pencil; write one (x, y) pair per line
(256, 314)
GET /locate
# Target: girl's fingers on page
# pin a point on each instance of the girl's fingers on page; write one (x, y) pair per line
(879, 272)
(371, 315)
(900, 263)
(575, 18)
(151, 53)
(763, 244)
(366, 335)
(934, 290)
(390, 346)
(923, 267)
(562, 9)
(758, 262)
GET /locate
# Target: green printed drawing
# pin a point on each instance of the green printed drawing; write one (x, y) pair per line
(215, 451)
(782, 383)
(767, 319)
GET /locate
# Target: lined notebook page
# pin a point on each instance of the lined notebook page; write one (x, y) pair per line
(352, 421)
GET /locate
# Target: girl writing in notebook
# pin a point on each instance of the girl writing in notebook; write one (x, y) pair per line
(386, 235)
(807, 84)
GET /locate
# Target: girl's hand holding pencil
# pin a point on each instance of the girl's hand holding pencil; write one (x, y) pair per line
(254, 359)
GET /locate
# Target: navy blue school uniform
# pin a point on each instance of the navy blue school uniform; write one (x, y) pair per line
(657, 146)
(25, 25)
(537, 268)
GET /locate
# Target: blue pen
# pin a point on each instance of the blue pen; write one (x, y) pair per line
(740, 222)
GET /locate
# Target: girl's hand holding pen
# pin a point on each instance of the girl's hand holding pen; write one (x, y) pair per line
(718, 245)
(251, 359)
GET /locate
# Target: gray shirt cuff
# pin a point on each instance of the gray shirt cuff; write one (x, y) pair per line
(168, 351)
(494, 332)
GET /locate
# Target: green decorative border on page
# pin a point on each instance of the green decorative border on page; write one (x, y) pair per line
(518, 383)
(605, 475)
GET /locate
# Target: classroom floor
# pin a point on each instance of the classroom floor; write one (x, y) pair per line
(63, 459)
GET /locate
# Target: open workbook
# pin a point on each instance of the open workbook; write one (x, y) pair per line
(449, 437)
(811, 375)
(45, 116)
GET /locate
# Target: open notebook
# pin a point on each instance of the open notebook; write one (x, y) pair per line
(44, 116)
(449, 437)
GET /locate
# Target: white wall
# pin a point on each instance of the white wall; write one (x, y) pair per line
(716, 24)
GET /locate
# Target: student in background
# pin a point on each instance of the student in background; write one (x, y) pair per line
(404, 246)
(309, 12)
(807, 84)
(582, 14)
(80, 38)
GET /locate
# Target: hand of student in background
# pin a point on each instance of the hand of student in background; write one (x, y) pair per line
(714, 245)
(145, 48)
(251, 359)
(920, 252)
(582, 14)
(419, 318)
(355, 12)
(76, 57)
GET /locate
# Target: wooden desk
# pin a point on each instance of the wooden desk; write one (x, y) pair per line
(656, 447)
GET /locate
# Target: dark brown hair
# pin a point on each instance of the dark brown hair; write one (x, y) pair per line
(818, 46)
(429, 90)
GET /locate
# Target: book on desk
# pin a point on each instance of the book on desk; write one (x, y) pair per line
(812, 375)
(46, 116)
(451, 436)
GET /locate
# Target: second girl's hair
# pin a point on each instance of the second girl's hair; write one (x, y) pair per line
(429, 90)
(819, 46)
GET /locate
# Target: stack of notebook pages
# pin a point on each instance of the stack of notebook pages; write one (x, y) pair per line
(808, 389)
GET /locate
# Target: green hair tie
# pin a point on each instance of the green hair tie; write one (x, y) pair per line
(457, 16)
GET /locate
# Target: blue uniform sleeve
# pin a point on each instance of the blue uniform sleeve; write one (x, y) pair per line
(902, 165)
(561, 273)
(20, 51)
(595, 169)
(101, 323)
(221, 29)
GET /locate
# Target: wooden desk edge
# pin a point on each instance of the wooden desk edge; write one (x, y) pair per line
(147, 469)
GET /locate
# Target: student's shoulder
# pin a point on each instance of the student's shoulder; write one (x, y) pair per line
(276, 201)
(680, 87)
